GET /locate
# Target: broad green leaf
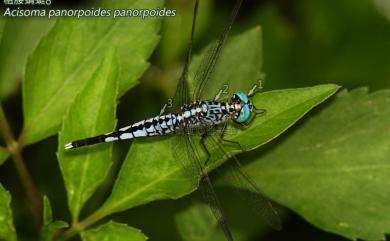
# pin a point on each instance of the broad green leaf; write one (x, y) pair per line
(18, 37)
(283, 109)
(4, 154)
(92, 113)
(68, 56)
(49, 227)
(7, 229)
(113, 231)
(333, 169)
(150, 170)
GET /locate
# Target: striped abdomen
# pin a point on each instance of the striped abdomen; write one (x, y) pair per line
(159, 125)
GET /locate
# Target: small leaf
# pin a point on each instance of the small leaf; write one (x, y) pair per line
(68, 56)
(92, 113)
(18, 37)
(4, 154)
(151, 171)
(47, 211)
(333, 170)
(7, 229)
(114, 232)
(49, 227)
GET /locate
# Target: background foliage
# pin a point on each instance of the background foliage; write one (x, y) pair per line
(328, 172)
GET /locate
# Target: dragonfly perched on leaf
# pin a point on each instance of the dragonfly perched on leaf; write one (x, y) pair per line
(200, 124)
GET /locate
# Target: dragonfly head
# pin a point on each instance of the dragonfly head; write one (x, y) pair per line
(242, 106)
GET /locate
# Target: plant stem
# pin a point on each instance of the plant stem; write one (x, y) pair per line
(34, 200)
(81, 226)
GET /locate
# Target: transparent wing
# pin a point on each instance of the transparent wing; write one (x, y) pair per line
(207, 66)
(242, 181)
(181, 95)
(187, 148)
(192, 157)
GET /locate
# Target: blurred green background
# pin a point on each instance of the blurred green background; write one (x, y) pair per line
(305, 43)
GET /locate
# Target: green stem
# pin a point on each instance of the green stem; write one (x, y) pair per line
(81, 226)
(34, 200)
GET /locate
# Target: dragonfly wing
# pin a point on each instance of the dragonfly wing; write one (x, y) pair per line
(203, 73)
(242, 181)
(208, 192)
(255, 197)
(183, 151)
(181, 95)
(191, 154)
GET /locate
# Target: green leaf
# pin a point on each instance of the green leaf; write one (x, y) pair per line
(47, 211)
(151, 171)
(18, 37)
(49, 227)
(92, 113)
(283, 109)
(7, 229)
(68, 56)
(4, 154)
(114, 232)
(333, 169)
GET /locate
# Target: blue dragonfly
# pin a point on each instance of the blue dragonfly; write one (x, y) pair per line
(195, 122)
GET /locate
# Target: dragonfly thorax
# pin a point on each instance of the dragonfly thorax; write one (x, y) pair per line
(203, 113)
(213, 112)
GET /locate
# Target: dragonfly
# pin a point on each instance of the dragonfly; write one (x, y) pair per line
(195, 122)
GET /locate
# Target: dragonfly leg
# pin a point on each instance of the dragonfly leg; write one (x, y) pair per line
(256, 112)
(202, 142)
(222, 137)
(259, 111)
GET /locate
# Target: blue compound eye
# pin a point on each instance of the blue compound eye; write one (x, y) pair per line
(246, 110)
(243, 97)
(244, 114)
